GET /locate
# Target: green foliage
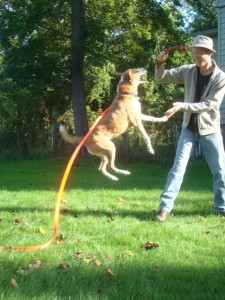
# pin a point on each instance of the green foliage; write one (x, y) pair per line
(205, 14)
(35, 60)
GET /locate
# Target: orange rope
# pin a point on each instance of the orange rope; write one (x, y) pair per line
(60, 194)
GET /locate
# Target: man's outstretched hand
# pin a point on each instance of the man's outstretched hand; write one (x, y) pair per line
(176, 107)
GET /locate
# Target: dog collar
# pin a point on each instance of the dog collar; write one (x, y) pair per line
(131, 94)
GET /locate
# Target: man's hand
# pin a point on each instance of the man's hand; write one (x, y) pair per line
(176, 107)
(162, 57)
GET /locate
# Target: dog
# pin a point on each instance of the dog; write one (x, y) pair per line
(124, 112)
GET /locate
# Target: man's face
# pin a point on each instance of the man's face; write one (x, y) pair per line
(201, 56)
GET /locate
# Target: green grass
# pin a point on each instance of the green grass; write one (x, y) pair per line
(109, 222)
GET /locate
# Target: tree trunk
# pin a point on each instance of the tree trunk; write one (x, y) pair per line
(78, 95)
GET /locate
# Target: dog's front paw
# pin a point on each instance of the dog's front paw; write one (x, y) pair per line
(164, 119)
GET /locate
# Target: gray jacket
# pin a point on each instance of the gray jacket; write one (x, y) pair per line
(208, 113)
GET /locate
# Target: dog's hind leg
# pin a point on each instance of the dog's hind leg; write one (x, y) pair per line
(102, 168)
(111, 163)
(107, 151)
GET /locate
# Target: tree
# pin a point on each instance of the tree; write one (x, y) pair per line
(35, 66)
(58, 50)
(78, 94)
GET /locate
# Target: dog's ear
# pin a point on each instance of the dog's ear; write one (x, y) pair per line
(130, 74)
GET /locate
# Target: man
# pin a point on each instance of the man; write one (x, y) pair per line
(204, 85)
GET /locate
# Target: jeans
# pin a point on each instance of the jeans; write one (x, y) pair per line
(213, 151)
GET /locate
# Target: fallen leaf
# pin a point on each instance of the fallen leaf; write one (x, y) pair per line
(78, 253)
(30, 269)
(13, 282)
(41, 230)
(149, 245)
(37, 263)
(108, 258)
(96, 262)
(109, 272)
(59, 242)
(63, 201)
(64, 266)
(16, 222)
(80, 241)
(201, 219)
(110, 220)
(61, 236)
(98, 292)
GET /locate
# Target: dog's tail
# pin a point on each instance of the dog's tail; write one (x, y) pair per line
(69, 138)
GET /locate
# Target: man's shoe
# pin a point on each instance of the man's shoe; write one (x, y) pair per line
(221, 213)
(162, 216)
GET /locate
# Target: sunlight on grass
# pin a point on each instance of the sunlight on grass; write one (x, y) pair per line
(99, 249)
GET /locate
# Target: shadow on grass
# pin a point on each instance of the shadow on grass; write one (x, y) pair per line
(124, 213)
(157, 279)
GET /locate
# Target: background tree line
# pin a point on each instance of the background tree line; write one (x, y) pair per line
(59, 59)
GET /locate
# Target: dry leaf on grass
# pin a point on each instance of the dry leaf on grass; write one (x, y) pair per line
(96, 262)
(30, 269)
(110, 220)
(64, 266)
(13, 282)
(201, 219)
(78, 253)
(16, 222)
(98, 292)
(61, 236)
(109, 272)
(149, 245)
(63, 201)
(41, 230)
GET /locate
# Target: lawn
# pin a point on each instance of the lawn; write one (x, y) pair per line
(101, 249)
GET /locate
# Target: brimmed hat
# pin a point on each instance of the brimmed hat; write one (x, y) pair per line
(203, 42)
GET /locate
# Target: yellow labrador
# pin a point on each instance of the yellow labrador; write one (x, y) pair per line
(124, 112)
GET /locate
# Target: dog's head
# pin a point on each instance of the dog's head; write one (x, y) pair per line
(130, 80)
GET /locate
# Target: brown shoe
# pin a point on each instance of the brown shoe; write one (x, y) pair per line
(162, 216)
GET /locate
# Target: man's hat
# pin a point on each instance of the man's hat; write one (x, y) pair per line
(203, 42)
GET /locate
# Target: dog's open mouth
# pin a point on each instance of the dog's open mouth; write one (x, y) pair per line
(143, 74)
(143, 79)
